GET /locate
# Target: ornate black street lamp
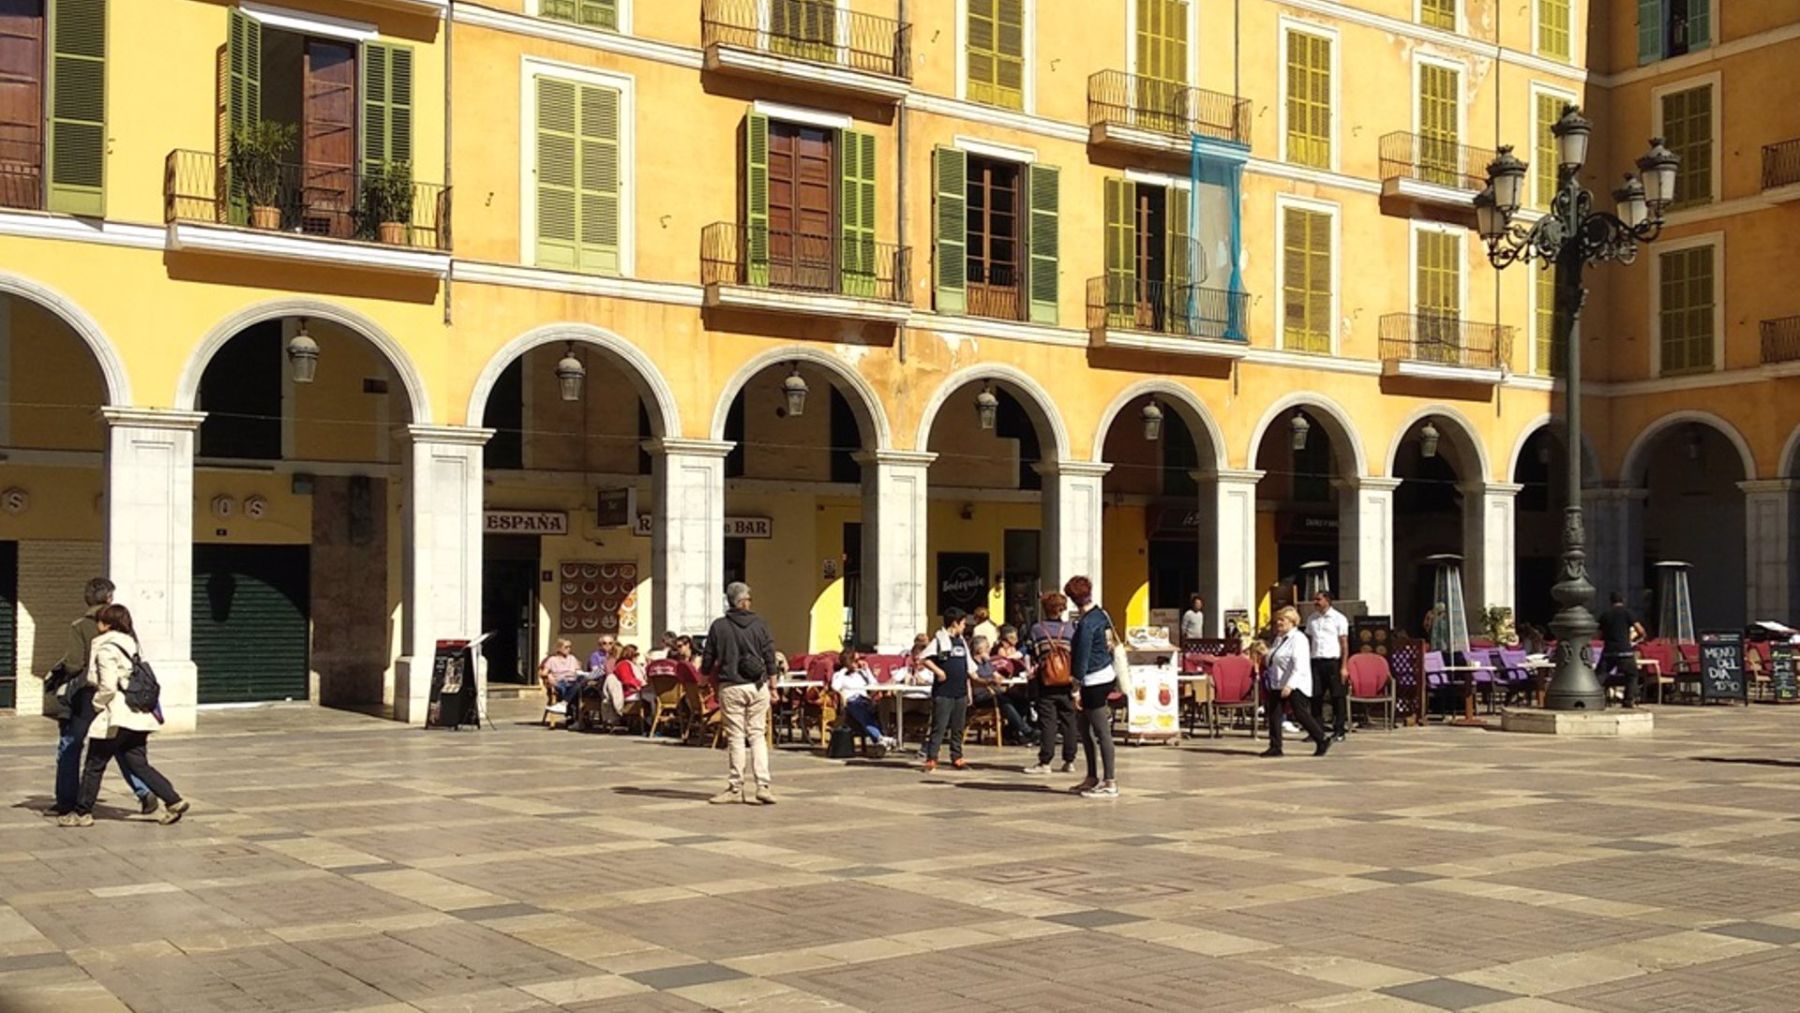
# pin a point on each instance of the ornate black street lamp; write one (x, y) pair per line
(1569, 238)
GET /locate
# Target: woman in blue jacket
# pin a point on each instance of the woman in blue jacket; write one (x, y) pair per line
(1090, 660)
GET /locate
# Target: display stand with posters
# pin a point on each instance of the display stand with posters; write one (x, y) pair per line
(1153, 707)
(457, 696)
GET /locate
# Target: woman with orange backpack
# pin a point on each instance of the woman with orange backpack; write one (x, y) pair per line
(1053, 683)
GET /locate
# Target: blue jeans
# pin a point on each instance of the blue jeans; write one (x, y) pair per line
(862, 711)
(69, 745)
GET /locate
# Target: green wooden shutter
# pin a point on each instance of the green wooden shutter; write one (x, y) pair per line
(756, 198)
(1688, 129)
(952, 232)
(1650, 30)
(1548, 348)
(996, 53)
(243, 67)
(77, 148)
(1045, 208)
(856, 215)
(1121, 252)
(1438, 14)
(1699, 25)
(1309, 100)
(556, 204)
(1438, 127)
(1543, 167)
(1182, 300)
(1554, 28)
(592, 13)
(597, 177)
(387, 105)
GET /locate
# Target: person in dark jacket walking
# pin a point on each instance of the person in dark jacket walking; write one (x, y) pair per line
(72, 704)
(947, 658)
(740, 658)
(1091, 664)
(1055, 704)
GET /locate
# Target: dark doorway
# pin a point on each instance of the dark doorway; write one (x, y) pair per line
(1174, 573)
(240, 392)
(1024, 557)
(509, 604)
(853, 581)
(736, 560)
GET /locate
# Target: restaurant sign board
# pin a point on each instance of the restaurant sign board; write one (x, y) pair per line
(735, 527)
(526, 522)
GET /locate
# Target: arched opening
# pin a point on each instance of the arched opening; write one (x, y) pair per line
(1436, 513)
(52, 513)
(1540, 470)
(989, 541)
(566, 494)
(1688, 471)
(1307, 459)
(297, 561)
(795, 500)
(1160, 527)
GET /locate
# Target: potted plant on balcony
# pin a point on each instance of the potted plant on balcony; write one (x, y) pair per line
(254, 162)
(387, 201)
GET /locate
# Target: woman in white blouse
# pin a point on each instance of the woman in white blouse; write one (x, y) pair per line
(851, 683)
(1289, 678)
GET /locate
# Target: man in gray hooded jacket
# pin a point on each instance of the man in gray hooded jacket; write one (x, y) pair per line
(740, 657)
(72, 704)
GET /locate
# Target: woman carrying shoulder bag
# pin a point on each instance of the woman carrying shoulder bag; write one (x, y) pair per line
(118, 730)
(1289, 678)
(1092, 661)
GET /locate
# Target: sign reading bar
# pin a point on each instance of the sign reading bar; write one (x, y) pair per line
(527, 522)
(1722, 665)
(735, 527)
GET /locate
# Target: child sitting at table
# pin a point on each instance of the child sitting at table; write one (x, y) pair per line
(851, 683)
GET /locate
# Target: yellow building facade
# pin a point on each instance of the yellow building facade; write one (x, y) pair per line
(346, 326)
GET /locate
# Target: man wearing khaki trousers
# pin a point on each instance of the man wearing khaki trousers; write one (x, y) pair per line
(740, 658)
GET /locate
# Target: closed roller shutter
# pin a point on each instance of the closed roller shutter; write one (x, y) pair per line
(9, 624)
(250, 622)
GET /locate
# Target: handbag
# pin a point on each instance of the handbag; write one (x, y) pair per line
(1121, 657)
(843, 743)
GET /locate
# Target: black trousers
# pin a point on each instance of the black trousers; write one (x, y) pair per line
(1303, 714)
(949, 716)
(128, 747)
(1328, 680)
(1624, 665)
(1056, 713)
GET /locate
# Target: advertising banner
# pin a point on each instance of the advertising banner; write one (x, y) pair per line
(1153, 708)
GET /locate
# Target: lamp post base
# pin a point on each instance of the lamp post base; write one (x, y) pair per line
(1575, 687)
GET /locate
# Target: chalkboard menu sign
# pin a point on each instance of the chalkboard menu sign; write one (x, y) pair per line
(453, 702)
(1784, 682)
(1722, 665)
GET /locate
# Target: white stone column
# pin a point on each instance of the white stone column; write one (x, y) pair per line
(688, 536)
(441, 582)
(1490, 539)
(1072, 521)
(1769, 540)
(1234, 521)
(1613, 521)
(150, 543)
(894, 552)
(1366, 541)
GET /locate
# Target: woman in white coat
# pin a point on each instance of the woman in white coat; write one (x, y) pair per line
(118, 730)
(1289, 678)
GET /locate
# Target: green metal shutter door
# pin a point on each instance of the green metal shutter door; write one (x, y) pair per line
(9, 623)
(251, 606)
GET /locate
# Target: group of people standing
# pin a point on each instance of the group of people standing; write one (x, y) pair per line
(87, 694)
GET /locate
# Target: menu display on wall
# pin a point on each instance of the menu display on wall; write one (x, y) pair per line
(1371, 634)
(598, 597)
(1722, 665)
(1784, 681)
(962, 580)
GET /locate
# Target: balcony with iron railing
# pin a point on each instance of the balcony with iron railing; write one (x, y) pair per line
(1193, 319)
(1126, 110)
(1781, 343)
(778, 271)
(1434, 175)
(316, 214)
(1781, 170)
(811, 43)
(1444, 346)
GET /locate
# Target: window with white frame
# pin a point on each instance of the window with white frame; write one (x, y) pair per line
(577, 166)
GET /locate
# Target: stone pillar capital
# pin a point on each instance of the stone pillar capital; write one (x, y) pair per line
(1072, 469)
(895, 458)
(1490, 488)
(468, 436)
(1237, 476)
(151, 418)
(675, 446)
(1769, 486)
(1366, 483)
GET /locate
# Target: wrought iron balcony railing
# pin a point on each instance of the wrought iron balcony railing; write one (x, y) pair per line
(1195, 311)
(21, 174)
(1116, 98)
(1781, 340)
(1434, 160)
(818, 31)
(1444, 339)
(1780, 164)
(332, 202)
(760, 257)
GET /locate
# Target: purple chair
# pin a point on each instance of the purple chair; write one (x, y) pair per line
(1510, 674)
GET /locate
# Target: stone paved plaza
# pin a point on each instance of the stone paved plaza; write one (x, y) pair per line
(336, 862)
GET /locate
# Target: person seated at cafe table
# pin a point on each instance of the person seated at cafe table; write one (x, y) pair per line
(990, 686)
(1008, 649)
(623, 684)
(558, 670)
(851, 683)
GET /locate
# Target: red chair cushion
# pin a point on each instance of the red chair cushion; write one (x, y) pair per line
(1234, 679)
(1369, 674)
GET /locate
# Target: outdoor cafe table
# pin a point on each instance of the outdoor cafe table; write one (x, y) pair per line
(1469, 719)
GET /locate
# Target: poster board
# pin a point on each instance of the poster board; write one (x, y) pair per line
(1371, 634)
(597, 597)
(1784, 680)
(1722, 666)
(962, 581)
(455, 699)
(1152, 709)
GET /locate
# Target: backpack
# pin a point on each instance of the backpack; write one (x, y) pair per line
(1055, 668)
(141, 691)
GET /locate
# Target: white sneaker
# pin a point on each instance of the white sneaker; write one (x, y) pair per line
(1290, 728)
(1102, 791)
(1040, 768)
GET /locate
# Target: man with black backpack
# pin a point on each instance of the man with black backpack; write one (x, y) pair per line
(69, 697)
(740, 657)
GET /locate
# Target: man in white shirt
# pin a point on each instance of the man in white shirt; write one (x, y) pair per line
(1329, 633)
(1193, 621)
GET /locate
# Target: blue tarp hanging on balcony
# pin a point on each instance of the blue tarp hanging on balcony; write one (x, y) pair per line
(1216, 236)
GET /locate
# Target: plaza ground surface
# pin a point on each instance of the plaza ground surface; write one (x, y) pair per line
(337, 862)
